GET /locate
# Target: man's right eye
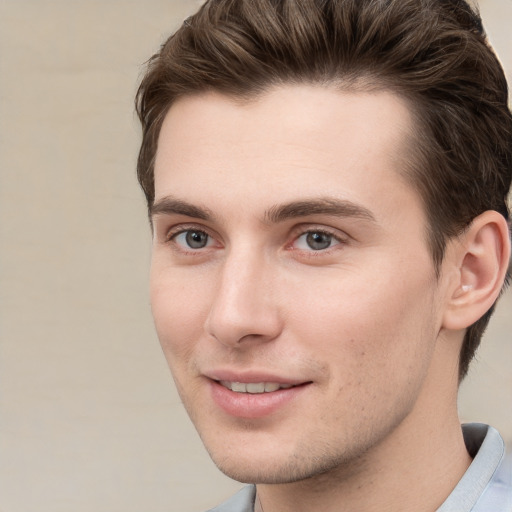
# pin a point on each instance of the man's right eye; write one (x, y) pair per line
(192, 239)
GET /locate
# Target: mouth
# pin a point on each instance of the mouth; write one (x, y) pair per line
(254, 387)
(255, 399)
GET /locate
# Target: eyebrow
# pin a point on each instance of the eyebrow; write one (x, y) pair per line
(278, 213)
(318, 206)
(169, 206)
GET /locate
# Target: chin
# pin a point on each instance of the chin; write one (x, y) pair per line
(278, 466)
(252, 463)
(262, 473)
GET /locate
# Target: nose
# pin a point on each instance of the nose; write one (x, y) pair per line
(244, 309)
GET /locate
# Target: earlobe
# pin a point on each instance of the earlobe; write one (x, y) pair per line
(482, 254)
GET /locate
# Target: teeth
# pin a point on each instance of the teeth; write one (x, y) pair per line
(238, 387)
(254, 387)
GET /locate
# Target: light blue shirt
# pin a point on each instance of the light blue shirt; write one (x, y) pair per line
(485, 487)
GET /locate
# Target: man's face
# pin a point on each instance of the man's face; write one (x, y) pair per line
(291, 284)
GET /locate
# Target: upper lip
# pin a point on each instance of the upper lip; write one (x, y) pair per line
(251, 376)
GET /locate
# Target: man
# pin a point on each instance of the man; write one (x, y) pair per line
(327, 183)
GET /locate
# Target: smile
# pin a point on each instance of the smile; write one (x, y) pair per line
(254, 387)
(251, 400)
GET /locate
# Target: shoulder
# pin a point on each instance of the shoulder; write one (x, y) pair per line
(498, 493)
(487, 484)
(242, 501)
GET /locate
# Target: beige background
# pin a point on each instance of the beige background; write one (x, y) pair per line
(89, 417)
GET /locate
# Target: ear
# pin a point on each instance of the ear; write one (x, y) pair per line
(481, 256)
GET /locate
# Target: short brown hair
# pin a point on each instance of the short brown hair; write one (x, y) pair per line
(433, 53)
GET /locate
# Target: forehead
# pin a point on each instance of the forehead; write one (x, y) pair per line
(291, 142)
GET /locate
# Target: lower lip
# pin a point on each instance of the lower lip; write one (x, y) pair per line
(253, 405)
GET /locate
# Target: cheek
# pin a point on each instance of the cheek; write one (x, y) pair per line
(377, 347)
(177, 311)
(179, 308)
(370, 326)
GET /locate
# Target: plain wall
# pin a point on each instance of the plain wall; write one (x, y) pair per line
(89, 418)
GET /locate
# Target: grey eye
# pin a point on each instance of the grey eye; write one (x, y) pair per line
(317, 240)
(196, 239)
(193, 239)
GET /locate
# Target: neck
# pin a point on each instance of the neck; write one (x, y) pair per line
(418, 480)
(415, 467)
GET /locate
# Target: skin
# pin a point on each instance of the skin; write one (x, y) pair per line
(360, 322)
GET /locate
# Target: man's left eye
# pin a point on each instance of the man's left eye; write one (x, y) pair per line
(316, 241)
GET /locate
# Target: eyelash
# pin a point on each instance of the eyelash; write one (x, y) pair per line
(173, 233)
(297, 233)
(334, 237)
